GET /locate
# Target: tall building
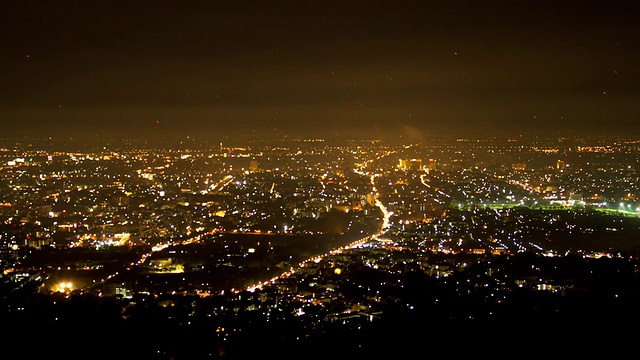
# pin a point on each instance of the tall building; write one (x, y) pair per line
(411, 164)
(431, 164)
(253, 165)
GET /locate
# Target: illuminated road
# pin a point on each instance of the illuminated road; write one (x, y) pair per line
(222, 183)
(316, 259)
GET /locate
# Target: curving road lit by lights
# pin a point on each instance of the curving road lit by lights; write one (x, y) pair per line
(316, 259)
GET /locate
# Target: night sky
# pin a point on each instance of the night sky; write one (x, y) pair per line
(366, 69)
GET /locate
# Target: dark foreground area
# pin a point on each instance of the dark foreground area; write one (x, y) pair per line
(591, 308)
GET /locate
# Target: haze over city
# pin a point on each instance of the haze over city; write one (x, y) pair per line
(359, 69)
(185, 180)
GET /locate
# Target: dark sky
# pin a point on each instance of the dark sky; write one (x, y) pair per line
(319, 68)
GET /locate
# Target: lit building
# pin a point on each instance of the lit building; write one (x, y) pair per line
(253, 165)
(412, 164)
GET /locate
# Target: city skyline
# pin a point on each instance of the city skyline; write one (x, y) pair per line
(323, 247)
(395, 71)
(223, 180)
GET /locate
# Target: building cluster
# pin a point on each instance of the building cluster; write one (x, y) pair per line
(309, 238)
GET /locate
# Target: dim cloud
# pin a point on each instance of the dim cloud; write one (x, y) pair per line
(411, 133)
